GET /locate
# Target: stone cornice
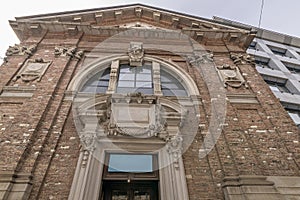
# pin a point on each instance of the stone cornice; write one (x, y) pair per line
(115, 19)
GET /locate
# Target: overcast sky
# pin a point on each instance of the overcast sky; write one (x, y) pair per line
(279, 15)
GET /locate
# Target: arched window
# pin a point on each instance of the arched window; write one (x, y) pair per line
(136, 79)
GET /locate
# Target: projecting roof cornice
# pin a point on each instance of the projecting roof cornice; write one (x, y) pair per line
(120, 18)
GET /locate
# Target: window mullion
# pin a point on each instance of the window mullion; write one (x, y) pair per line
(113, 77)
(156, 78)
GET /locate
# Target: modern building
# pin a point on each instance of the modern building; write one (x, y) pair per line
(277, 58)
(137, 102)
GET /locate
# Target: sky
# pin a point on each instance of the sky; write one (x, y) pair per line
(278, 15)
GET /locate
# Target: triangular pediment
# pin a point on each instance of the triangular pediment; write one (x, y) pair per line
(121, 17)
(113, 20)
(127, 13)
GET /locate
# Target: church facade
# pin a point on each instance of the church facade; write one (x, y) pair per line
(137, 102)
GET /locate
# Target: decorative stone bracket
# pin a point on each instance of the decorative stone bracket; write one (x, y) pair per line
(20, 50)
(241, 59)
(231, 76)
(68, 51)
(201, 59)
(33, 69)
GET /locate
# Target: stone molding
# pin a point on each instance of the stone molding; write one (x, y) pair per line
(260, 187)
(15, 185)
(115, 118)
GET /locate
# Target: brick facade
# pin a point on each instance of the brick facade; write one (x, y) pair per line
(39, 141)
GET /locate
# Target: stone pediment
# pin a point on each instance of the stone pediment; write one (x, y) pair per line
(123, 18)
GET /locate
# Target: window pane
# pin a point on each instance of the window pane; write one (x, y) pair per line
(130, 163)
(126, 77)
(170, 85)
(126, 69)
(126, 84)
(143, 77)
(143, 84)
(97, 83)
(135, 79)
(145, 90)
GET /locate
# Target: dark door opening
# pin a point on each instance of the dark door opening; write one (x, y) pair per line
(135, 190)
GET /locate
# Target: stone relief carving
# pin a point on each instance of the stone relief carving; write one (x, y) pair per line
(85, 158)
(201, 59)
(241, 59)
(231, 75)
(33, 69)
(20, 50)
(68, 51)
(174, 148)
(88, 141)
(133, 115)
(113, 77)
(136, 54)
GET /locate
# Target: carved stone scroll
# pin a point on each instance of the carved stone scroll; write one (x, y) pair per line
(136, 54)
(231, 75)
(20, 50)
(201, 59)
(33, 69)
(68, 51)
(241, 59)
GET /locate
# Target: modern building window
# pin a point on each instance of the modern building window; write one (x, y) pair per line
(293, 68)
(278, 51)
(253, 45)
(263, 63)
(130, 177)
(277, 87)
(295, 115)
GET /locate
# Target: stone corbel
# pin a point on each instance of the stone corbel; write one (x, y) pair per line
(33, 69)
(231, 76)
(20, 50)
(136, 54)
(242, 59)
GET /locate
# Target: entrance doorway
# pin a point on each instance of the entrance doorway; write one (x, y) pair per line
(135, 190)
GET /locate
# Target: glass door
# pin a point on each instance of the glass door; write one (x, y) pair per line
(139, 190)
